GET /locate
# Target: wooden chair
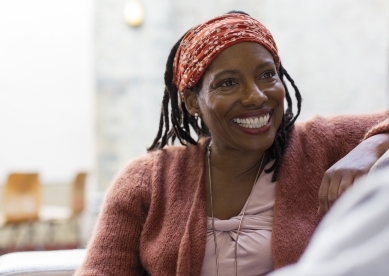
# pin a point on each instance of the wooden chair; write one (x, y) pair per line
(21, 203)
(61, 215)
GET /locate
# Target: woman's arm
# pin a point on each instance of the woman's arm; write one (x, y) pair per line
(354, 165)
(114, 246)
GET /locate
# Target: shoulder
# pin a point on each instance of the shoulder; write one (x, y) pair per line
(332, 136)
(342, 123)
(315, 124)
(349, 126)
(318, 129)
(139, 177)
(169, 153)
(154, 174)
(170, 158)
(322, 125)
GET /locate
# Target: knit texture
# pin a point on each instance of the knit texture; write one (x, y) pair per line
(154, 215)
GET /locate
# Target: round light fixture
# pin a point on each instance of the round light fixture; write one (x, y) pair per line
(133, 13)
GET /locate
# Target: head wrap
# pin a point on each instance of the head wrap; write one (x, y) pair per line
(201, 45)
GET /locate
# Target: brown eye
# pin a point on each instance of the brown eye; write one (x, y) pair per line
(268, 75)
(227, 83)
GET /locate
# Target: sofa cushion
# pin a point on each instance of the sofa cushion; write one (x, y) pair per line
(34, 263)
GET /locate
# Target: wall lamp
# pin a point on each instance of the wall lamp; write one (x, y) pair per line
(133, 13)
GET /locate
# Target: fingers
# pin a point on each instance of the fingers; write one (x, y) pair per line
(345, 183)
(341, 175)
(323, 194)
(332, 186)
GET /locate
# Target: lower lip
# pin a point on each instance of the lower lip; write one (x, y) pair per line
(255, 131)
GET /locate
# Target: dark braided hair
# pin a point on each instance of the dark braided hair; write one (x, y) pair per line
(182, 121)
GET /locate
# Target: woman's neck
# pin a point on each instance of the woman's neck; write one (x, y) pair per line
(235, 162)
(233, 174)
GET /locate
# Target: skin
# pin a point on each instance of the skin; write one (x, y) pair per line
(350, 168)
(241, 82)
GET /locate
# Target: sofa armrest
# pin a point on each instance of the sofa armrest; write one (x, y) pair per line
(34, 263)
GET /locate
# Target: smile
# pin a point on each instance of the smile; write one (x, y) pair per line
(253, 122)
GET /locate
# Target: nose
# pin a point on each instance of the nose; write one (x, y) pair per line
(253, 95)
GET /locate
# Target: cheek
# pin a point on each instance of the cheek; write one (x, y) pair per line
(279, 114)
(206, 111)
(280, 95)
(213, 114)
(209, 105)
(280, 91)
(280, 98)
(210, 115)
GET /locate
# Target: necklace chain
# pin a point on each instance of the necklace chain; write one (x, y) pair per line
(244, 211)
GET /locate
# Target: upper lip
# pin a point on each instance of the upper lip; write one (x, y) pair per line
(255, 113)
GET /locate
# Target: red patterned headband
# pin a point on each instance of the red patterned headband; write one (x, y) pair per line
(201, 45)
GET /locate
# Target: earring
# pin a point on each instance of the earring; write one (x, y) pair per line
(196, 115)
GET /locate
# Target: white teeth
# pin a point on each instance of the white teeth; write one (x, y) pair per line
(253, 122)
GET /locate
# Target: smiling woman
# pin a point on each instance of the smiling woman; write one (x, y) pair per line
(239, 90)
(243, 198)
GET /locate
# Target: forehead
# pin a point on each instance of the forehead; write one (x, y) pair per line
(243, 53)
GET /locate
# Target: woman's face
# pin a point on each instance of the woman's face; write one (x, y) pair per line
(242, 96)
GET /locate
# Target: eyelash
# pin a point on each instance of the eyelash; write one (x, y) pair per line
(225, 81)
(269, 72)
(232, 81)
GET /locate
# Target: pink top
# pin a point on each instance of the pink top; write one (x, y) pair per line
(254, 249)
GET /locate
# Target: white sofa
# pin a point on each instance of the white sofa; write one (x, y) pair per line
(318, 258)
(37, 263)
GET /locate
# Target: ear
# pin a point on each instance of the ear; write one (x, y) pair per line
(191, 102)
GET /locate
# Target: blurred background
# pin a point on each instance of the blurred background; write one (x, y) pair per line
(81, 84)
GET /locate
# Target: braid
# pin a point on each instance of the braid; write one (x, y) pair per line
(276, 151)
(182, 122)
(289, 109)
(179, 116)
(165, 102)
(297, 95)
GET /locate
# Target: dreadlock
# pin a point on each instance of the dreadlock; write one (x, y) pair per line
(182, 121)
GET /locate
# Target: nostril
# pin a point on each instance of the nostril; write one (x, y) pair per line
(256, 97)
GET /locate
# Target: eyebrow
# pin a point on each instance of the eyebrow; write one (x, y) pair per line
(234, 71)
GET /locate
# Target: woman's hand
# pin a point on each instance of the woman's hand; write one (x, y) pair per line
(350, 168)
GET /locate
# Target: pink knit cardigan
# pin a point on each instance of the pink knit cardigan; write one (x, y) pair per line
(154, 217)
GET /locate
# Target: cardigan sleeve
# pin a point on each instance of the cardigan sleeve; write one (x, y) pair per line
(114, 246)
(342, 133)
(360, 127)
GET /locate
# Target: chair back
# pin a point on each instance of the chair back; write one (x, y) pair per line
(78, 193)
(22, 197)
